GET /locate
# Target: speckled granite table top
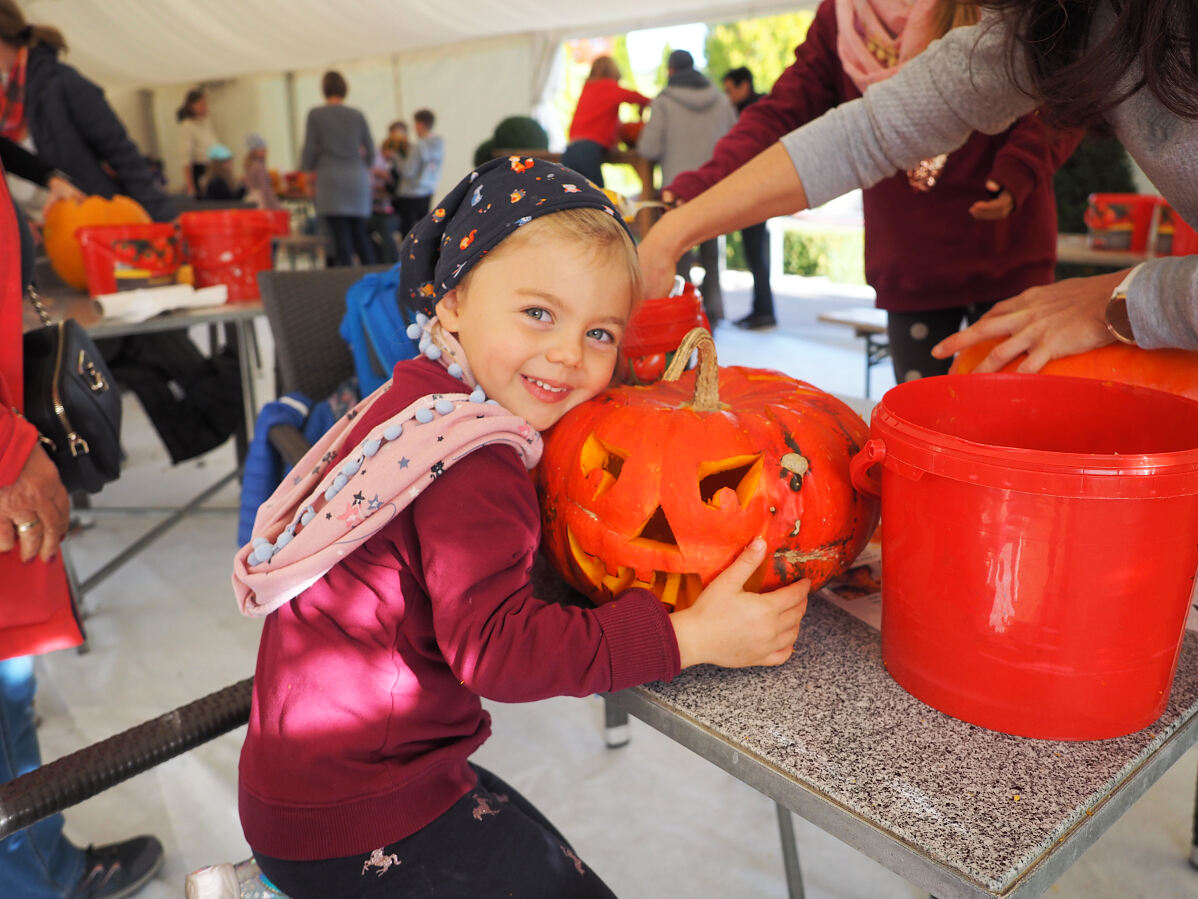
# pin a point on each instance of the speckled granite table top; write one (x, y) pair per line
(983, 804)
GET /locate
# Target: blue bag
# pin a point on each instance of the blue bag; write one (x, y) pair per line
(375, 328)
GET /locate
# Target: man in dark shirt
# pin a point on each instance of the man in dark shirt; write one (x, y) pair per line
(738, 86)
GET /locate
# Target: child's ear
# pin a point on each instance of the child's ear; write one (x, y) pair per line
(447, 311)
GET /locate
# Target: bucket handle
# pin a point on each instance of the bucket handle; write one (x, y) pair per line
(871, 454)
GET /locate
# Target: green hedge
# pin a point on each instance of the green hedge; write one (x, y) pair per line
(837, 254)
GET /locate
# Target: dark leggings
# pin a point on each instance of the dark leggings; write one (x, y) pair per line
(913, 334)
(491, 842)
(586, 158)
(350, 237)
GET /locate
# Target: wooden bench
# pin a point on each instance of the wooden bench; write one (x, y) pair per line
(868, 323)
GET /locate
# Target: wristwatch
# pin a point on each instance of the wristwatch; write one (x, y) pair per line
(1118, 323)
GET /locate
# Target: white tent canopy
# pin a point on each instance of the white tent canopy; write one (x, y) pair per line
(473, 62)
(153, 42)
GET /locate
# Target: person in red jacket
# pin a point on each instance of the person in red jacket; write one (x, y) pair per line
(393, 569)
(944, 241)
(595, 127)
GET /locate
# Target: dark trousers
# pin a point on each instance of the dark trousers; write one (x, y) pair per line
(350, 238)
(382, 227)
(410, 210)
(709, 258)
(491, 842)
(756, 240)
(586, 158)
(913, 334)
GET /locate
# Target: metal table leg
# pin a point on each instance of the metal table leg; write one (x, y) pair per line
(1194, 844)
(790, 852)
(615, 721)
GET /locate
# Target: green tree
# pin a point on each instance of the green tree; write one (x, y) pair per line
(766, 45)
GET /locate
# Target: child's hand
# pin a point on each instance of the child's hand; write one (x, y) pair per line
(999, 205)
(733, 628)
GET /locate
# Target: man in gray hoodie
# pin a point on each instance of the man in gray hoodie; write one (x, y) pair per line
(685, 122)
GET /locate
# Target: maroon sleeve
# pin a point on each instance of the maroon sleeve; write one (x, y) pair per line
(1031, 154)
(808, 88)
(478, 528)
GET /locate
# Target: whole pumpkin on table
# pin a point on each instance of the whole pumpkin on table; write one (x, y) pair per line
(65, 217)
(661, 486)
(1170, 370)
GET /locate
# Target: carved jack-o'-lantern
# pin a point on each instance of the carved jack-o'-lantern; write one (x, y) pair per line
(662, 486)
(65, 217)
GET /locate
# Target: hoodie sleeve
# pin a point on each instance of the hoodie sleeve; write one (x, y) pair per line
(652, 142)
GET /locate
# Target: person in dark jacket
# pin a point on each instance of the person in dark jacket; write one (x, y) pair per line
(738, 87)
(66, 118)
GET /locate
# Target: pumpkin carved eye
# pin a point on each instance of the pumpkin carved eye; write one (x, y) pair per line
(739, 474)
(657, 530)
(608, 461)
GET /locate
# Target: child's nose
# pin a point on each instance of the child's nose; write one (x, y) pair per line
(565, 351)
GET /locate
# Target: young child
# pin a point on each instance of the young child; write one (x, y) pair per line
(393, 569)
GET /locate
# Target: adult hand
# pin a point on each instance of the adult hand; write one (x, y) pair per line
(997, 207)
(659, 256)
(1045, 322)
(62, 189)
(736, 628)
(34, 510)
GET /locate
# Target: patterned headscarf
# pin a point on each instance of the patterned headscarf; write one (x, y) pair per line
(487, 205)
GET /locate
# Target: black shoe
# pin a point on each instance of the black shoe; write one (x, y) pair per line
(755, 322)
(118, 869)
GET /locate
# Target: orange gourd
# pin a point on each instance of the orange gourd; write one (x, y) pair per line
(661, 486)
(65, 217)
(1174, 371)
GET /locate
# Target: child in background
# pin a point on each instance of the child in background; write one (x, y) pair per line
(394, 570)
(218, 175)
(595, 126)
(259, 188)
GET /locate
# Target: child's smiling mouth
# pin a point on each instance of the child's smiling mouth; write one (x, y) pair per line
(545, 391)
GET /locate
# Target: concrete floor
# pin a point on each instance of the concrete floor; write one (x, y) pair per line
(653, 819)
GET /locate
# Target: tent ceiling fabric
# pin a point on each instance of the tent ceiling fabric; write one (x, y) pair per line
(155, 42)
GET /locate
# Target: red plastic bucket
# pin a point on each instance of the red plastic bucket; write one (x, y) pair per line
(1185, 238)
(1039, 546)
(1120, 221)
(230, 247)
(656, 329)
(122, 257)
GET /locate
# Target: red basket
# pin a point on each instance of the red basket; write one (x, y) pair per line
(1185, 238)
(1120, 221)
(124, 257)
(230, 247)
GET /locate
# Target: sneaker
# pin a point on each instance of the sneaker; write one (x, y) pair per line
(118, 869)
(756, 322)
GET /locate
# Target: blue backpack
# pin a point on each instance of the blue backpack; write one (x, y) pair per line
(375, 328)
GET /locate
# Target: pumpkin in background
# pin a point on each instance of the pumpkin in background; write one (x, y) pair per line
(662, 486)
(1174, 371)
(630, 133)
(65, 217)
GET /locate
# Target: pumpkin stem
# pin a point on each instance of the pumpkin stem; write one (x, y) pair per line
(707, 383)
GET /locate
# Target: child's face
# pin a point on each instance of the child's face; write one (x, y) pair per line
(541, 325)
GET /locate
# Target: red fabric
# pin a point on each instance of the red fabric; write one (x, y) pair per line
(12, 100)
(597, 116)
(943, 257)
(35, 606)
(366, 695)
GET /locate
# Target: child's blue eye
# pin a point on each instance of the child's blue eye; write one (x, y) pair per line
(539, 314)
(602, 335)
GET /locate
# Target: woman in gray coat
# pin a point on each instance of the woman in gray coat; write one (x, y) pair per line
(338, 149)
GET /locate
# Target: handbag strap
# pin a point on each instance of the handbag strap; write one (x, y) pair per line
(36, 299)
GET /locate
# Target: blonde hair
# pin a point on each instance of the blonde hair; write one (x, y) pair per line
(956, 14)
(597, 230)
(604, 67)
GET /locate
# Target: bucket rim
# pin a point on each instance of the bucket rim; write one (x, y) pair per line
(1110, 475)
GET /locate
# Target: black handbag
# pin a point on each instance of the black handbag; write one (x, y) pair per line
(73, 401)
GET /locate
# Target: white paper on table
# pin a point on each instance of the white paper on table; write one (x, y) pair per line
(146, 302)
(858, 591)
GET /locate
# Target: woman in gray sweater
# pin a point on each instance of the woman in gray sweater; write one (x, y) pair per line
(1084, 62)
(338, 149)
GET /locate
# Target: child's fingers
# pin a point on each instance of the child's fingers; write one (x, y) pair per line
(742, 568)
(792, 595)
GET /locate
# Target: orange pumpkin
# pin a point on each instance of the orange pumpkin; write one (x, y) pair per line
(65, 217)
(630, 133)
(661, 486)
(1174, 371)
